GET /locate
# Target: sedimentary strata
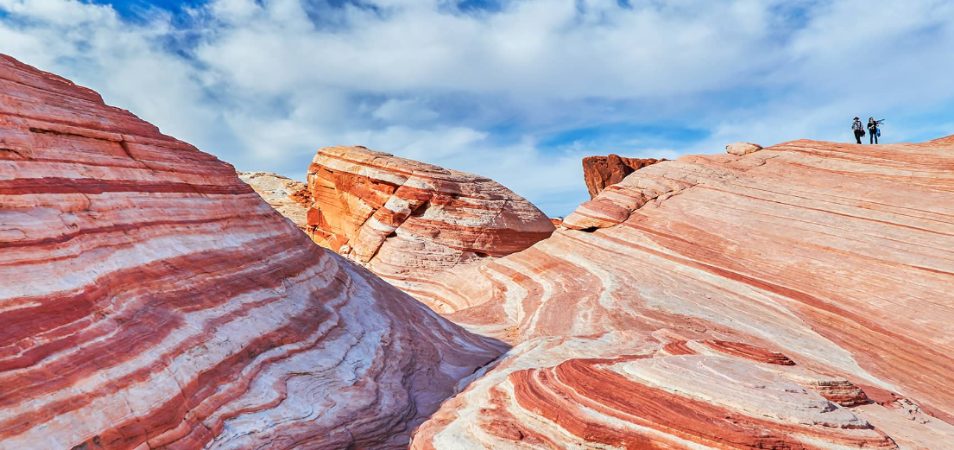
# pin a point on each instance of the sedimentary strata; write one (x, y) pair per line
(796, 296)
(407, 221)
(150, 299)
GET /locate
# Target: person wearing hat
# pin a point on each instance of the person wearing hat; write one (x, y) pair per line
(858, 128)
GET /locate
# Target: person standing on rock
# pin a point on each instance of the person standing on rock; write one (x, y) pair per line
(874, 130)
(858, 128)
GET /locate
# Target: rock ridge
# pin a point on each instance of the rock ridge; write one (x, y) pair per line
(149, 298)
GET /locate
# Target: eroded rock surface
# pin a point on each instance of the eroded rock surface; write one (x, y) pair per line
(289, 197)
(794, 297)
(150, 299)
(600, 172)
(407, 221)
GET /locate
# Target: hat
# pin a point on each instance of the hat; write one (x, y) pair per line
(856, 118)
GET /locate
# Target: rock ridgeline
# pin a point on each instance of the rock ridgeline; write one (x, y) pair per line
(600, 172)
(150, 299)
(796, 296)
(407, 221)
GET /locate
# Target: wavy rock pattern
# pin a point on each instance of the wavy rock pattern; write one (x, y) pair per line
(406, 220)
(148, 298)
(794, 297)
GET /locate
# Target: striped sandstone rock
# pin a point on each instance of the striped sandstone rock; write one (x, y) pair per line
(150, 299)
(407, 221)
(798, 296)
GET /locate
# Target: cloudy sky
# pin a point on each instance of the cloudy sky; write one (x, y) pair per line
(516, 90)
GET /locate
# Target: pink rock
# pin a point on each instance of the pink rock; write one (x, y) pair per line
(762, 302)
(150, 299)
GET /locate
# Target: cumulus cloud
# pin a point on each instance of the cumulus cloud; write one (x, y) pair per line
(516, 90)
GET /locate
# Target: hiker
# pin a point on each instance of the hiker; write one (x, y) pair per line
(859, 129)
(874, 130)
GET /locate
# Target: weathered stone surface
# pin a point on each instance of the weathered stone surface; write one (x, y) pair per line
(795, 297)
(600, 172)
(407, 221)
(289, 197)
(150, 299)
(742, 148)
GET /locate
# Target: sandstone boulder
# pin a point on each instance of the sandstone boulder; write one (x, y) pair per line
(407, 221)
(600, 172)
(742, 148)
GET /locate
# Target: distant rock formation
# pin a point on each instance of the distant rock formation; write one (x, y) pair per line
(289, 197)
(742, 148)
(150, 299)
(794, 297)
(600, 172)
(407, 221)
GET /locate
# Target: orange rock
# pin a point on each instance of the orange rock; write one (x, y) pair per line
(150, 299)
(600, 172)
(407, 221)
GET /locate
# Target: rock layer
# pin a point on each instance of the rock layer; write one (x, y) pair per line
(289, 197)
(407, 221)
(148, 298)
(600, 172)
(794, 297)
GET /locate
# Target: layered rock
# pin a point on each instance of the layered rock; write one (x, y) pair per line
(289, 197)
(600, 172)
(407, 221)
(148, 298)
(794, 297)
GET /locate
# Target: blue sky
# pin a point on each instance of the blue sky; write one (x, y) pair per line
(516, 90)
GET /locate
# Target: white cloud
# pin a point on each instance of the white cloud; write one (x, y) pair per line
(262, 84)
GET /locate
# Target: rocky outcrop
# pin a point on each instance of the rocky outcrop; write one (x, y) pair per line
(150, 299)
(407, 221)
(742, 148)
(600, 172)
(289, 197)
(794, 297)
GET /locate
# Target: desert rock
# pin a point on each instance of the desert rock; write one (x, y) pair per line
(795, 297)
(407, 221)
(600, 172)
(289, 197)
(150, 299)
(742, 148)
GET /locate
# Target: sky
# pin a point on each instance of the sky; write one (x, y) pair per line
(519, 91)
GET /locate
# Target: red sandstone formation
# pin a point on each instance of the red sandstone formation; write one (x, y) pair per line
(150, 299)
(600, 172)
(289, 197)
(796, 296)
(407, 221)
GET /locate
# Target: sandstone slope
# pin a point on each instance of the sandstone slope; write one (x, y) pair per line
(148, 298)
(407, 221)
(795, 297)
